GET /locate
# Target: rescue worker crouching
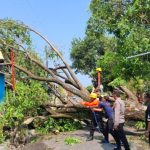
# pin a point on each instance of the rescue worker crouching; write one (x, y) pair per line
(96, 117)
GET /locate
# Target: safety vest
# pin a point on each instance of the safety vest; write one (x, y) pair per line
(93, 103)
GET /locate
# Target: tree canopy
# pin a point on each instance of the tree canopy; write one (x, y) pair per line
(116, 29)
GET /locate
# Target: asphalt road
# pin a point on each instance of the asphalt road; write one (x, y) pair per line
(56, 142)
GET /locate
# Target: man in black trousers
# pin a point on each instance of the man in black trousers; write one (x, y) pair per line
(147, 115)
(119, 119)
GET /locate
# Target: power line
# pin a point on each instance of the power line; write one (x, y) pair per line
(142, 54)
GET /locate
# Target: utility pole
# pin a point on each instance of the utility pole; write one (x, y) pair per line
(100, 86)
(13, 68)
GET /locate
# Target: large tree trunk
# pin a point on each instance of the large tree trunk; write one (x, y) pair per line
(130, 95)
(68, 81)
(134, 111)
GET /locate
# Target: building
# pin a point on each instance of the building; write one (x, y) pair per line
(2, 79)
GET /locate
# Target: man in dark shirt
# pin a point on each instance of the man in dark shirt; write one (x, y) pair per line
(147, 115)
(108, 110)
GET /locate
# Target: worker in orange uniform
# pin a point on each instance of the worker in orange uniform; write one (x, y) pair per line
(96, 117)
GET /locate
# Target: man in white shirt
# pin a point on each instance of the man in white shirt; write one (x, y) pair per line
(119, 119)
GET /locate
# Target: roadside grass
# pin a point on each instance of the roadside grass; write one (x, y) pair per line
(72, 140)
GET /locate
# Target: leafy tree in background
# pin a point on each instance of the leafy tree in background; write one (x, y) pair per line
(116, 29)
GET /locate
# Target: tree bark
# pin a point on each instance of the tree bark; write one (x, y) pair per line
(130, 95)
(54, 80)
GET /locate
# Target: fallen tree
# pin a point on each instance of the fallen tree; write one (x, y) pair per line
(61, 75)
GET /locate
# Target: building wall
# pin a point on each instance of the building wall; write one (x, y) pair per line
(2, 87)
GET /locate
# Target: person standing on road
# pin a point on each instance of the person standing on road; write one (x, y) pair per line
(96, 117)
(147, 115)
(119, 119)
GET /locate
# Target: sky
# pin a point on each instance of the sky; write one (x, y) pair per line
(59, 20)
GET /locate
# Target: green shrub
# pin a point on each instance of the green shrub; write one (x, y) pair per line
(140, 125)
(21, 104)
(60, 125)
(26, 102)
